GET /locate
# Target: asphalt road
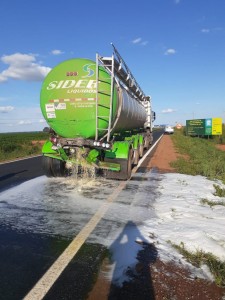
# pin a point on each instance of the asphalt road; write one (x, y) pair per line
(14, 173)
(39, 220)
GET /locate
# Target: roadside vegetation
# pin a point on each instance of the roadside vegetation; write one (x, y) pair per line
(22, 144)
(198, 258)
(199, 156)
(205, 201)
(220, 192)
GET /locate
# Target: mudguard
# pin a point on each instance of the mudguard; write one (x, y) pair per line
(119, 150)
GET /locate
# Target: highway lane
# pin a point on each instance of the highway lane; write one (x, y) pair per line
(17, 172)
(40, 218)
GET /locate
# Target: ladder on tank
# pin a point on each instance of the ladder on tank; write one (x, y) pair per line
(109, 66)
(116, 68)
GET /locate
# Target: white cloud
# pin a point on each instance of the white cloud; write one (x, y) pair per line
(6, 109)
(212, 30)
(170, 51)
(2, 78)
(57, 52)
(23, 67)
(139, 41)
(22, 118)
(136, 41)
(168, 111)
(24, 122)
(205, 30)
(177, 1)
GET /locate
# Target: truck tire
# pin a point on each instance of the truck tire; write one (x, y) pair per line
(126, 168)
(147, 142)
(141, 150)
(58, 168)
(47, 166)
(53, 167)
(136, 156)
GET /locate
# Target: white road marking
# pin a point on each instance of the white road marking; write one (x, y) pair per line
(45, 283)
(48, 279)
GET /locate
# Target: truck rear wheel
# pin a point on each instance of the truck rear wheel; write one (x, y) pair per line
(126, 168)
(136, 156)
(47, 166)
(141, 150)
(58, 168)
(147, 142)
(53, 167)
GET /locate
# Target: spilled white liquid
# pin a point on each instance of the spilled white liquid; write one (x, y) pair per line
(154, 208)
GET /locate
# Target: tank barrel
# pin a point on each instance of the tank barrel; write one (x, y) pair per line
(96, 107)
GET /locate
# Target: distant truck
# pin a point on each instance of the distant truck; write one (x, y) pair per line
(98, 116)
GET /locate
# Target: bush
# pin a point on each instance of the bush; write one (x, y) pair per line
(10, 147)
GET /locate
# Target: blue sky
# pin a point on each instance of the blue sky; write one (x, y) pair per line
(174, 48)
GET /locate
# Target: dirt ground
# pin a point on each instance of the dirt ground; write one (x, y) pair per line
(164, 154)
(155, 279)
(221, 147)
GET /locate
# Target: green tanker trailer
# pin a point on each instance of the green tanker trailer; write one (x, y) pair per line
(95, 108)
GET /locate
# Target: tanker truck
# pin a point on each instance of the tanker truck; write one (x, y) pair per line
(97, 115)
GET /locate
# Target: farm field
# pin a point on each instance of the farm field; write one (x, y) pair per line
(22, 144)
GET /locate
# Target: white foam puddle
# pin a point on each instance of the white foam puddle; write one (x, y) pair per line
(52, 206)
(181, 217)
(164, 208)
(153, 208)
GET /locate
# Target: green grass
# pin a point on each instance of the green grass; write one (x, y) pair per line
(212, 203)
(220, 192)
(202, 157)
(16, 145)
(198, 258)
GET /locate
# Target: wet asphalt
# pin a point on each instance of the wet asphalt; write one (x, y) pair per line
(14, 173)
(40, 217)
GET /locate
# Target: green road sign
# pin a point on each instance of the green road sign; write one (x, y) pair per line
(210, 126)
